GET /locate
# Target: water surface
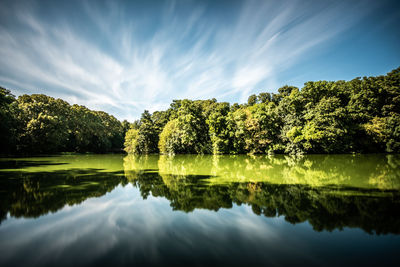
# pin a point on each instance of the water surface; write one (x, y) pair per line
(94, 210)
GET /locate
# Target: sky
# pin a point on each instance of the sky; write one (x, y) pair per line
(123, 57)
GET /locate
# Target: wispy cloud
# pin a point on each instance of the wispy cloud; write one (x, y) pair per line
(124, 59)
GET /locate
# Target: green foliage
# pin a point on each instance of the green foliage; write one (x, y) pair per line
(291, 113)
(326, 127)
(264, 97)
(237, 130)
(126, 125)
(264, 126)
(94, 131)
(392, 133)
(361, 115)
(252, 100)
(44, 123)
(217, 127)
(147, 138)
(160, 119)
(169, 141)
(188, 133)
(8, 121)
(254, 129)
(131, 141)
(41, 124)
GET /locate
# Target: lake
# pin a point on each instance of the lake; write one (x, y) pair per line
(188, 210)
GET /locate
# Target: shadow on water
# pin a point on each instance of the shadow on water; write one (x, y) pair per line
(20, 164)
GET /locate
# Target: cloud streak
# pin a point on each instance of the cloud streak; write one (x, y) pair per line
(124, 59)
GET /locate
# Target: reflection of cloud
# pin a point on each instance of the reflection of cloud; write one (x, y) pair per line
(126, 61)
(122, 225)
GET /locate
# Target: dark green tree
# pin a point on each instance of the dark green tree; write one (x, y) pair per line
(8, 121)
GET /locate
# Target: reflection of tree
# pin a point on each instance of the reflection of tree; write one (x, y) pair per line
(326, 206)
(364, 171)
(185, 192)
(366, 197)
(31, 194)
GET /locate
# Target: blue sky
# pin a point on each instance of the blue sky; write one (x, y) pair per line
(124, 57)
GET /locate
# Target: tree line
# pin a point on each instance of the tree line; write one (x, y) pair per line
(361, 115)
(35, 124)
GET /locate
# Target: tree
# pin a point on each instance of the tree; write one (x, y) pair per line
(126, 125)
(218, 131)
(189, 128)
(291, 113)
(237, 130)
(45, 123)
(252, 100)
(147, 136)
(264, 97)
(254, 129)
(326, 127)
(131, 140)
(8, 121)
(264, 126)
(160, 119)
(170, 142)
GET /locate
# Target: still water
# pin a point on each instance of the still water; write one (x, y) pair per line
(187, 210)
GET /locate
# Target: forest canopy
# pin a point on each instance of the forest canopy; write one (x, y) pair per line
(361, 115)
(36, 124)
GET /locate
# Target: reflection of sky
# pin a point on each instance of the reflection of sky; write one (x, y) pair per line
(121, 227)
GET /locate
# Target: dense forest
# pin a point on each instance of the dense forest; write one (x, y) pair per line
(361, 115)
(35, 124)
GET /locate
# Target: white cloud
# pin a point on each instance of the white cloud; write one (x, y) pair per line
(144, 65)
